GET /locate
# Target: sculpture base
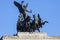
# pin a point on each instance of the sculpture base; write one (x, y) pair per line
(27, 35)
(30, 36)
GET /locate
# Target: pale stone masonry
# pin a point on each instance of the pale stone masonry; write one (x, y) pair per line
(31, 36)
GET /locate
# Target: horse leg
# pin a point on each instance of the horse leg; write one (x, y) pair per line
(33, 30)
(38, 30)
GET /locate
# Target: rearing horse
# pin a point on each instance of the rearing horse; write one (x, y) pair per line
(36, 26)
(22, 8)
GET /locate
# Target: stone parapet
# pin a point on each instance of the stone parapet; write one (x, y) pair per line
(31, 36)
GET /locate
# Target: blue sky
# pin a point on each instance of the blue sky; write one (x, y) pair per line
(48, 9)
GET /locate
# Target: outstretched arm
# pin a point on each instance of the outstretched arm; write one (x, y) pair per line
(29, 11)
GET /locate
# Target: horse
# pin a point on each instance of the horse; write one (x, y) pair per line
(39, 24)
(23, 26)
(34, 24)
